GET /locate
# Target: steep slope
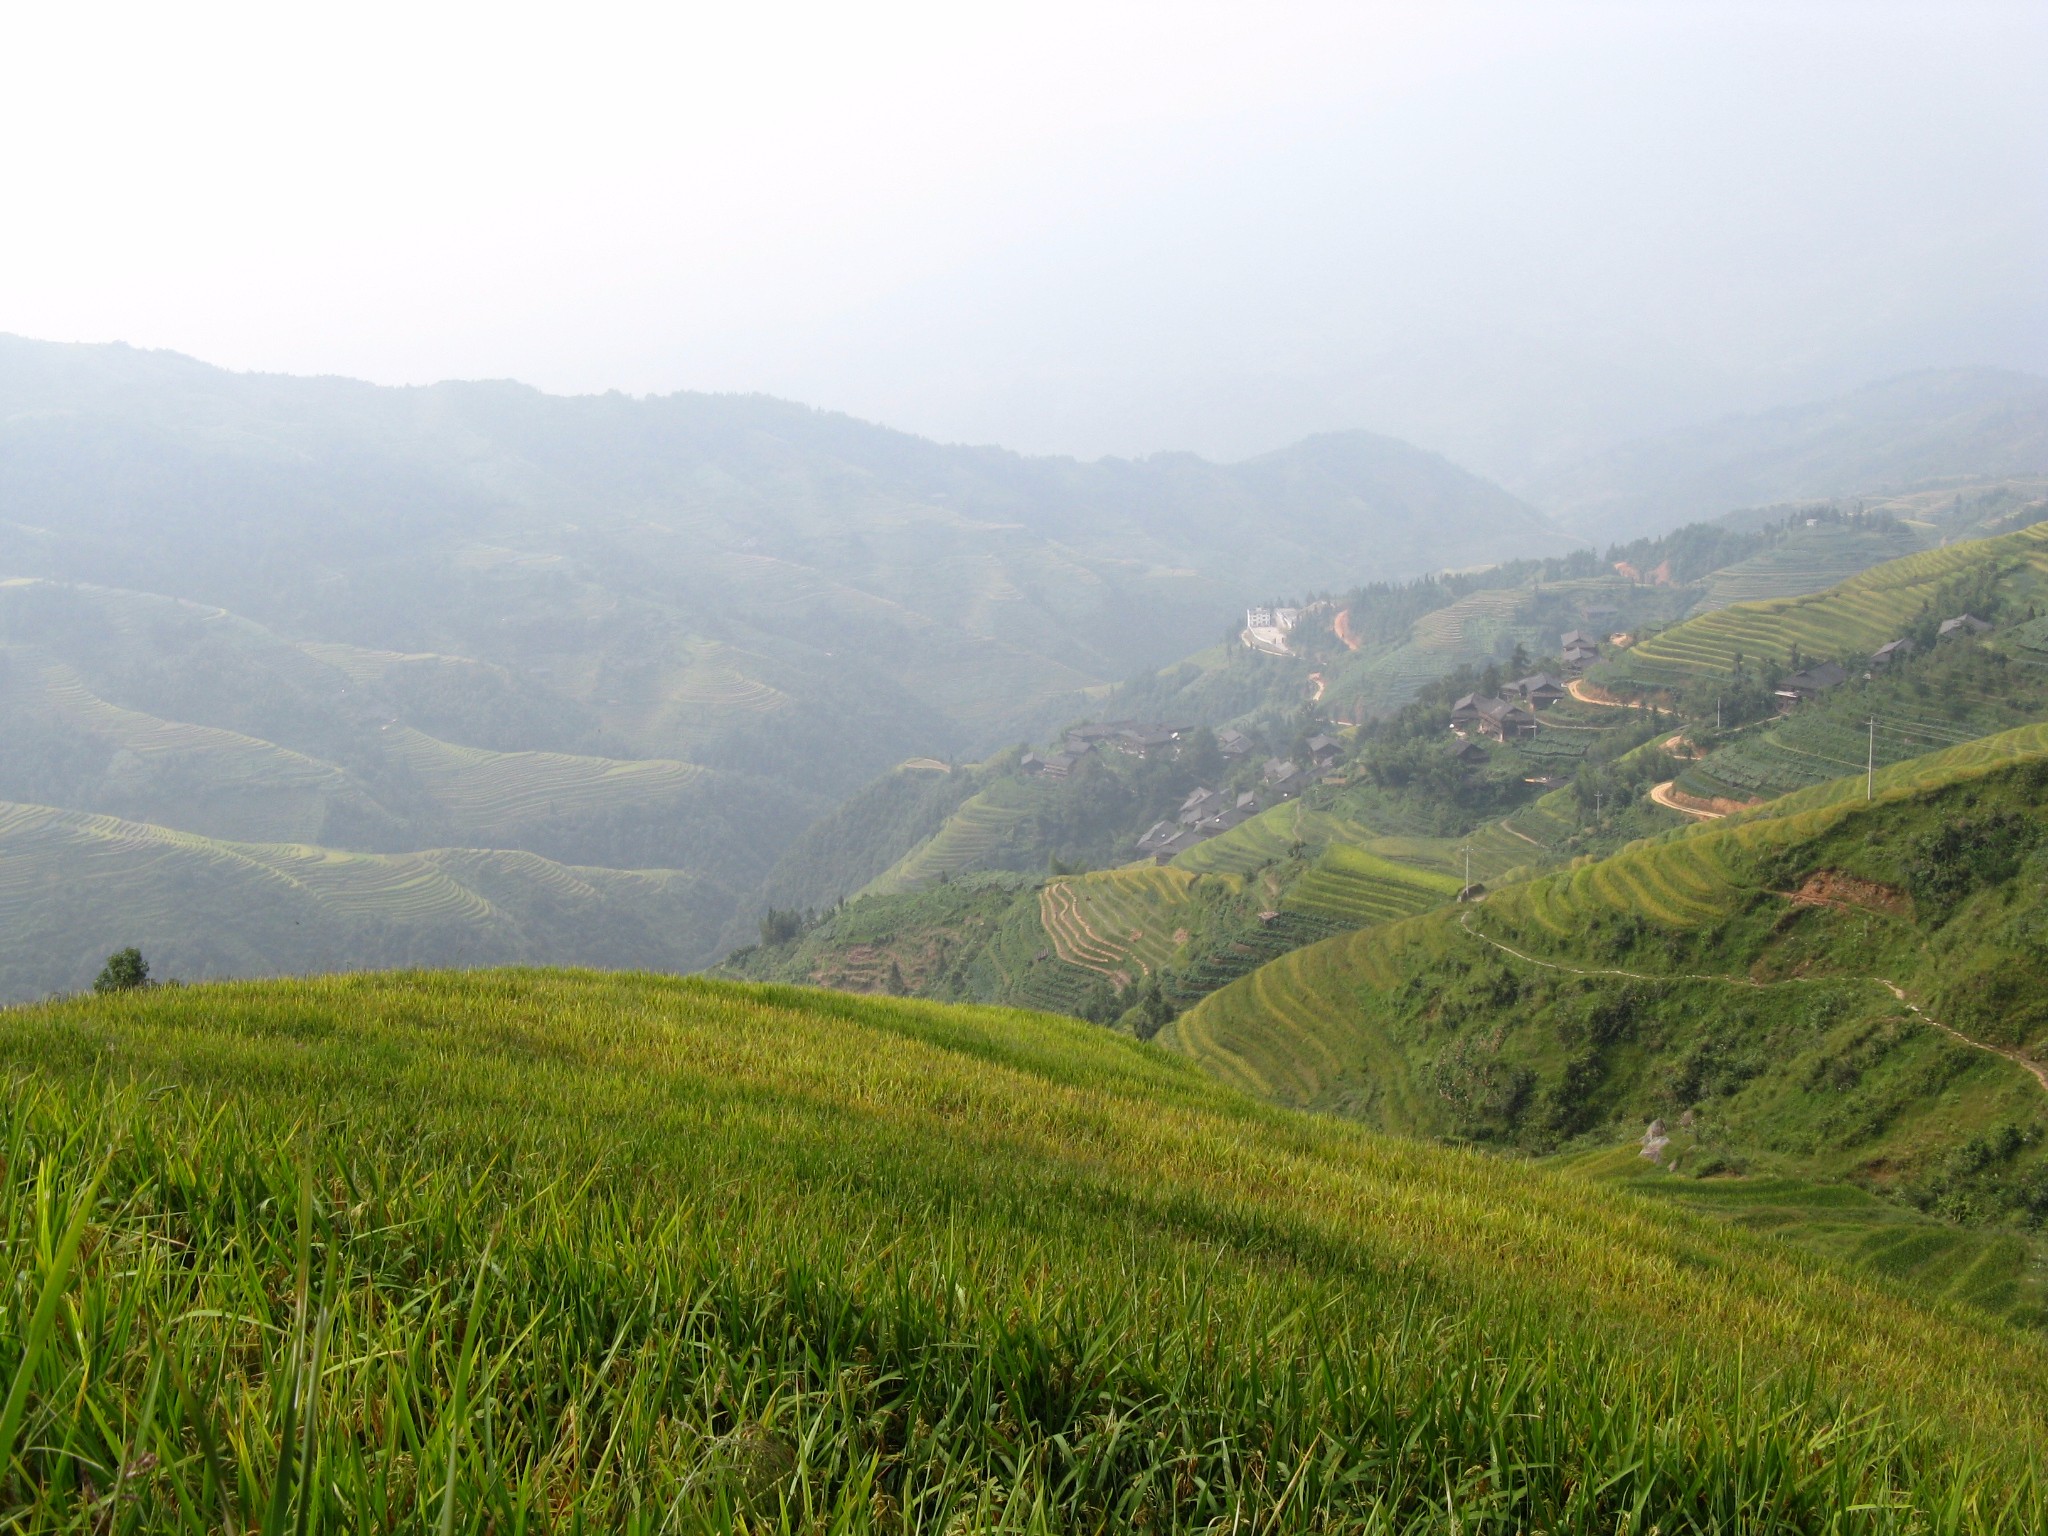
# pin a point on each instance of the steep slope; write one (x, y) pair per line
(1956, 424)
(576, 1252)
(1774, 978)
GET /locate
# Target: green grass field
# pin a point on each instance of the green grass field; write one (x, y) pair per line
(519, 1251)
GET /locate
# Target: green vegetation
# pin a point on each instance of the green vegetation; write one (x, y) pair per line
(124, 971)
(554, 1251)
(1809, 560)
(1759, 974)
(204, 907)
(1847, 622)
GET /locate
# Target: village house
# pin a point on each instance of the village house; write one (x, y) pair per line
(1233, 743)
(1157, 836)
(1889, 652)
(1965, 624)
(1465, 713)
(1323, 751)
(1803, 687)
(1505, 721)
(1180, 842)
(1201, 805)
(1540, 690)
(1467, 752)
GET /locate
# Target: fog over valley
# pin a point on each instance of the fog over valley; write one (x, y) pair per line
(1039, 769)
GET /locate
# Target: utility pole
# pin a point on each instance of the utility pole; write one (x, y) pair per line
(1870, 769)
(1467, 851)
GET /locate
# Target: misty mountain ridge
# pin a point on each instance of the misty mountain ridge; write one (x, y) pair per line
(1929, 425)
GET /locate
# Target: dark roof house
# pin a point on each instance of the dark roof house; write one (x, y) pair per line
(1962, 624)
(1233, 743)
(1891, 651)
(1540, 689)
(1810, 684)
(1323, 750)
(1497, 717)
(1463, 751)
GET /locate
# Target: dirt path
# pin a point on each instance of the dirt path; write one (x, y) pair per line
(2038, 1072)
(1342, 624)
(1317, 679)
(1661, 794)
(1577, 689)
(2013, 1056)
(1525, 837)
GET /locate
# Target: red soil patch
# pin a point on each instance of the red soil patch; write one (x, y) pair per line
(1832, 888)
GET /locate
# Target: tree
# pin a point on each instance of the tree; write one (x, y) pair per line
(125, 971)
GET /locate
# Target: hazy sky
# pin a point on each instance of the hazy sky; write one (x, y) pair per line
(1507, 232)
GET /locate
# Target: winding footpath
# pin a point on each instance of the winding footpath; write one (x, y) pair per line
(1577, 689)
(1661, 794)
(2034, 1069)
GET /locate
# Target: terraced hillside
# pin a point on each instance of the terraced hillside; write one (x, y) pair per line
(1467, 632)
(560, 1252)
(1849, 620)
(1348, 885)
(1762, 976)
(74, 887)
(978, 835)
(1293, 829)
(1808, 560)
(1121, 923)
(203, 779)
(1955, 693)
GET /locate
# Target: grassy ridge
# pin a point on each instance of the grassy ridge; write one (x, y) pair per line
(559, 1251)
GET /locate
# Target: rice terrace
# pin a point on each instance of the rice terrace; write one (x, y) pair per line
(1145, 770)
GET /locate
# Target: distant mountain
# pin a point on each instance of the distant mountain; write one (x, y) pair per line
(623, 633)
(1935, 424)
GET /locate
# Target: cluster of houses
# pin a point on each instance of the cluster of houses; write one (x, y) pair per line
(1579, 649)
(1508, 716)
(1135, 738)
(1206, 812)
(1808, 684)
